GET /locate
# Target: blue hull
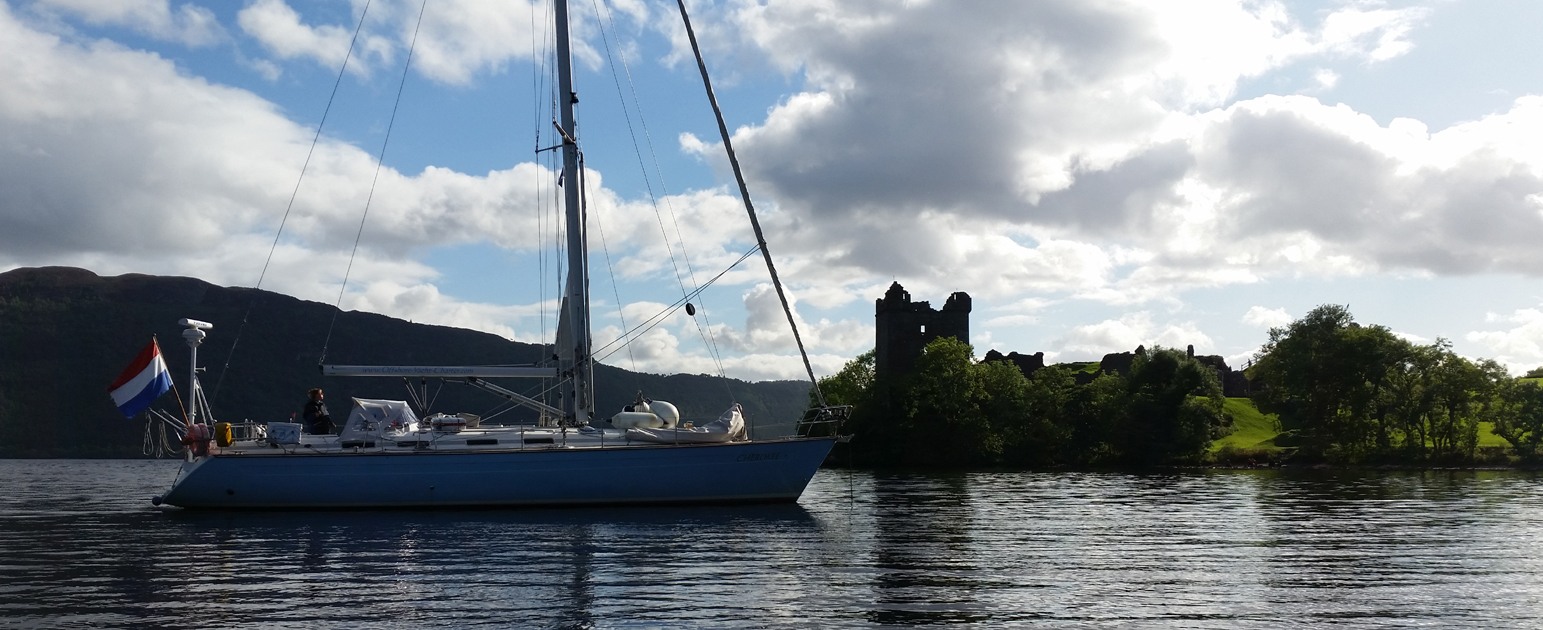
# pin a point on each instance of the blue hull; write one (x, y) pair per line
(737, 472)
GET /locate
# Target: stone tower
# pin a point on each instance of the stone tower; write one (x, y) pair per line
(905, 327)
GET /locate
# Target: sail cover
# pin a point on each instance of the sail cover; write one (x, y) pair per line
(729, 427)
(372, 418)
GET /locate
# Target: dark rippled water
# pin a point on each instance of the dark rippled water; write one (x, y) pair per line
(80, 546)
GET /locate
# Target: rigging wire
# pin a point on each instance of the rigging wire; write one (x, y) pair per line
(288, 208)
(380, 164)
(538, 60)
(710, 341)
(744, 193)
(658, 318)
(704, 327)
(605, 247)
(621, 314)
(546, 198)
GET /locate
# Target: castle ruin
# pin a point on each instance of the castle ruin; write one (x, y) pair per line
(904, 327)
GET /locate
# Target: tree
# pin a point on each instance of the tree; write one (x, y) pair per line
(850, 386)
(943, 402)
(1039, 433)
(1409, 400)
(1351, 392)
(1518, 415)
(855, 385)
(1324, 375)
(1459, 386)
(1173, 408)
(1373, 354)
(1096, 416)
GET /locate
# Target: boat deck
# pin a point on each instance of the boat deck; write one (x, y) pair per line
(481, 440)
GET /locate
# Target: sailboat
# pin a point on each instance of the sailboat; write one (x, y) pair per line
(386, 456)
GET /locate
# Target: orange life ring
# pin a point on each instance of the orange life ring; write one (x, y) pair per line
(197, 439)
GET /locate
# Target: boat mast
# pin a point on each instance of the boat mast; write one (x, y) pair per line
(576, 292)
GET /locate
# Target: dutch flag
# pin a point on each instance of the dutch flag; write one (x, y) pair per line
(142, 382)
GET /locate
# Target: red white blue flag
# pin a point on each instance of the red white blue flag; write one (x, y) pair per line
(142, 382)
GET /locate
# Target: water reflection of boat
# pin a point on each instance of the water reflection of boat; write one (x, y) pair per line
(568, 567)
(363, 526)
(386, 456)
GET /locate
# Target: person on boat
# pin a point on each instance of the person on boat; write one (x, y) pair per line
(316, 419)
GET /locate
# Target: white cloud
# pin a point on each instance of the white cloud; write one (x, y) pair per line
(1127, 333)
(1377, 34)
(167, 153)
(1412, 338)
(453, 43)
(1263, 317)
(188, 24)
(462, 38)
(1325, 79)
(280, 30)
(1519, 347)
(1069, 135)
(265, 68)
(1299, 168)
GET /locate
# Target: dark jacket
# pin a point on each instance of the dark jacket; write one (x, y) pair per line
(316, 417)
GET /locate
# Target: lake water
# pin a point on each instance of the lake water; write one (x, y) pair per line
(80, 546)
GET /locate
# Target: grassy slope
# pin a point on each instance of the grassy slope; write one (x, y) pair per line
(1250, 428)
(1256, 431)
(1487, 436)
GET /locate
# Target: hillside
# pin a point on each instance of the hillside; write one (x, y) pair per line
(65, 334)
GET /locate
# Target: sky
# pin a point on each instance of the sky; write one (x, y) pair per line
(1096, 174)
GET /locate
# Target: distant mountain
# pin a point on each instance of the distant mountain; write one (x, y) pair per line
(66, 333)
